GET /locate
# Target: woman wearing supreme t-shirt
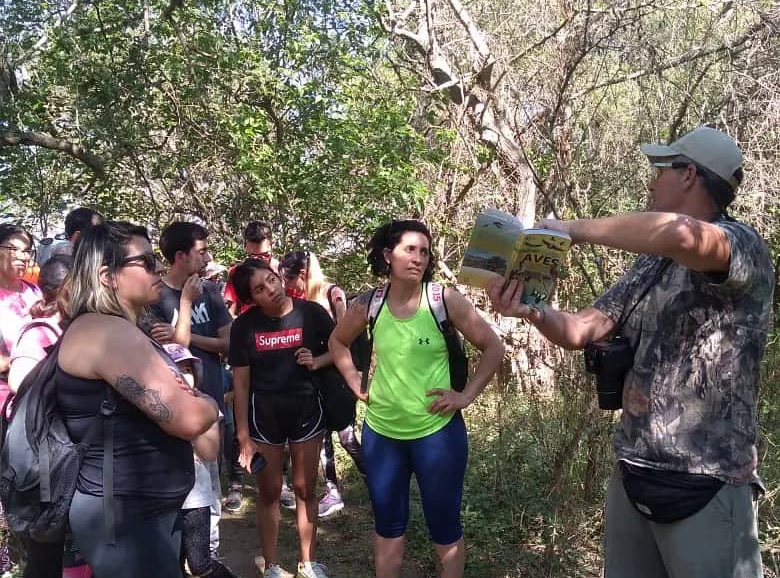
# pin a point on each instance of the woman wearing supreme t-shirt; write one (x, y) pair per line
(274, 347)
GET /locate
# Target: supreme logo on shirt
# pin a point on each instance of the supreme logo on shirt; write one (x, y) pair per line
(279, 339)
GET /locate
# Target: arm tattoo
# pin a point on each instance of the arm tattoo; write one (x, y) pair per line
(147, 400)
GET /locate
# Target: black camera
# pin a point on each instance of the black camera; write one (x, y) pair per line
(609, 361)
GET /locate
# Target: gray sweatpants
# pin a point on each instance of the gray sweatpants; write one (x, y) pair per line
(144, 547)
(719, 541)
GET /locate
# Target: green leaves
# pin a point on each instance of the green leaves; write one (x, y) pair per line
(230, 110)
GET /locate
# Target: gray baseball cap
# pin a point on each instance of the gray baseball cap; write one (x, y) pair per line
(708, 147)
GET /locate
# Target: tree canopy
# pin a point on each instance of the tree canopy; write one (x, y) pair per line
(329, 117)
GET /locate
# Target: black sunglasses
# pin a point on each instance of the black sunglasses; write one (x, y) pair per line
(147, 260)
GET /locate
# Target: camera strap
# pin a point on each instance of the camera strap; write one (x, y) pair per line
(656, 278)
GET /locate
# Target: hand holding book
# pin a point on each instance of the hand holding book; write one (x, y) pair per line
(500, 247)
(506, 297)
(564, 227)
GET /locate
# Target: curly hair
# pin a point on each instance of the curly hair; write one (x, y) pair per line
(387, 237)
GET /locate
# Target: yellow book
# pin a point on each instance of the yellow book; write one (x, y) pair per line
(500, 246)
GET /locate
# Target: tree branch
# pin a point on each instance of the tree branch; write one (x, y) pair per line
(172, 7)
(767, 24)
(44, 39)
(40, 139)
(476, 35)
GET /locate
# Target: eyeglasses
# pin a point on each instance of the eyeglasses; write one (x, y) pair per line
(28, 253)
(675, 165)
(147, 260)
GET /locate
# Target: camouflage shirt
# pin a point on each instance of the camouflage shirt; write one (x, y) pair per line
(689, 402)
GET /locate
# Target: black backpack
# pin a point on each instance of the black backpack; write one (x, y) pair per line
(434, 293)
(360, 347)
(39, 463)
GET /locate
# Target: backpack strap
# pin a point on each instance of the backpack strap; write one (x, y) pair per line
(47, 367)
(102, 422)
(458, 360)
(434, 292)
(331, 304)
(35, 323)
(107, 409)
(378, 298)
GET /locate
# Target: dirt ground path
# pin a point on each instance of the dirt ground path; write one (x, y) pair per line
(343, 541)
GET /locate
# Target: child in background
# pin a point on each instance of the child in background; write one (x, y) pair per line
(194, 517)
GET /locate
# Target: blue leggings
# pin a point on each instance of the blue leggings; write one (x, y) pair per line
(438, 461)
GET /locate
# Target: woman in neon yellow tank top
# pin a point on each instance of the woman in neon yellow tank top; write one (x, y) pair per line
(413, 421)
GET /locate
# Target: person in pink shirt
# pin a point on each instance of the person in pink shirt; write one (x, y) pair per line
(16, 295)
(16, 298)
(48, 319)
(49, 316)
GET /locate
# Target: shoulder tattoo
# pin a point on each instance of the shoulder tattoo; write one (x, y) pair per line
(145, 399)
(362, 301)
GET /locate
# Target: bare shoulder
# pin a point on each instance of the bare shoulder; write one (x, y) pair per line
(455, 299)
(90, 327)
(338, 292)
(93, 336)
(362, 301)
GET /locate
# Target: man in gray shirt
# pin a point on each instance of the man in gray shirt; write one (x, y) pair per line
(185, 247)
(194, 316)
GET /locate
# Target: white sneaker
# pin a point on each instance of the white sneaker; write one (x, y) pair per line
(275, 571)
(311, 570)
(330, 503)
(287, 497)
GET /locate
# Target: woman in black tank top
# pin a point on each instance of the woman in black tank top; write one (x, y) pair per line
(157, 418)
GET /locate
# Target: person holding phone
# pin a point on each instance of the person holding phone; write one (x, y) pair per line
(274, 348)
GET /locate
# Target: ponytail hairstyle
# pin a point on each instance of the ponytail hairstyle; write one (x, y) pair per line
(387, 237)
(293, 263)
(52, 282)
(99, 246)
(242, 275)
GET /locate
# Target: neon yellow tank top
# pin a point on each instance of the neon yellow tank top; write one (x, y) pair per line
(411, 358)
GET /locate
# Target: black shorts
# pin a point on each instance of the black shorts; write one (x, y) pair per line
(277, 418)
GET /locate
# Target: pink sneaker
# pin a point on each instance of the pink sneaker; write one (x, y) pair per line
(83, 571)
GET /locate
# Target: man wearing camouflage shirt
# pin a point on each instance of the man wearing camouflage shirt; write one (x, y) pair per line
(702, 286)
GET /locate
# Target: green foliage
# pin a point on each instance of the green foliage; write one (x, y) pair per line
(230, 111)
(289, 111)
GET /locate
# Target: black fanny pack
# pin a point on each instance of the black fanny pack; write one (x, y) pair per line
(665, 497)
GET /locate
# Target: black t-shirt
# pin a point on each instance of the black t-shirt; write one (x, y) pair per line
(268, 345)
(209, 313)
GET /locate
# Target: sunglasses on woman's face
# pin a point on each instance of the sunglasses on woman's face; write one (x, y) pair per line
(146, 260)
